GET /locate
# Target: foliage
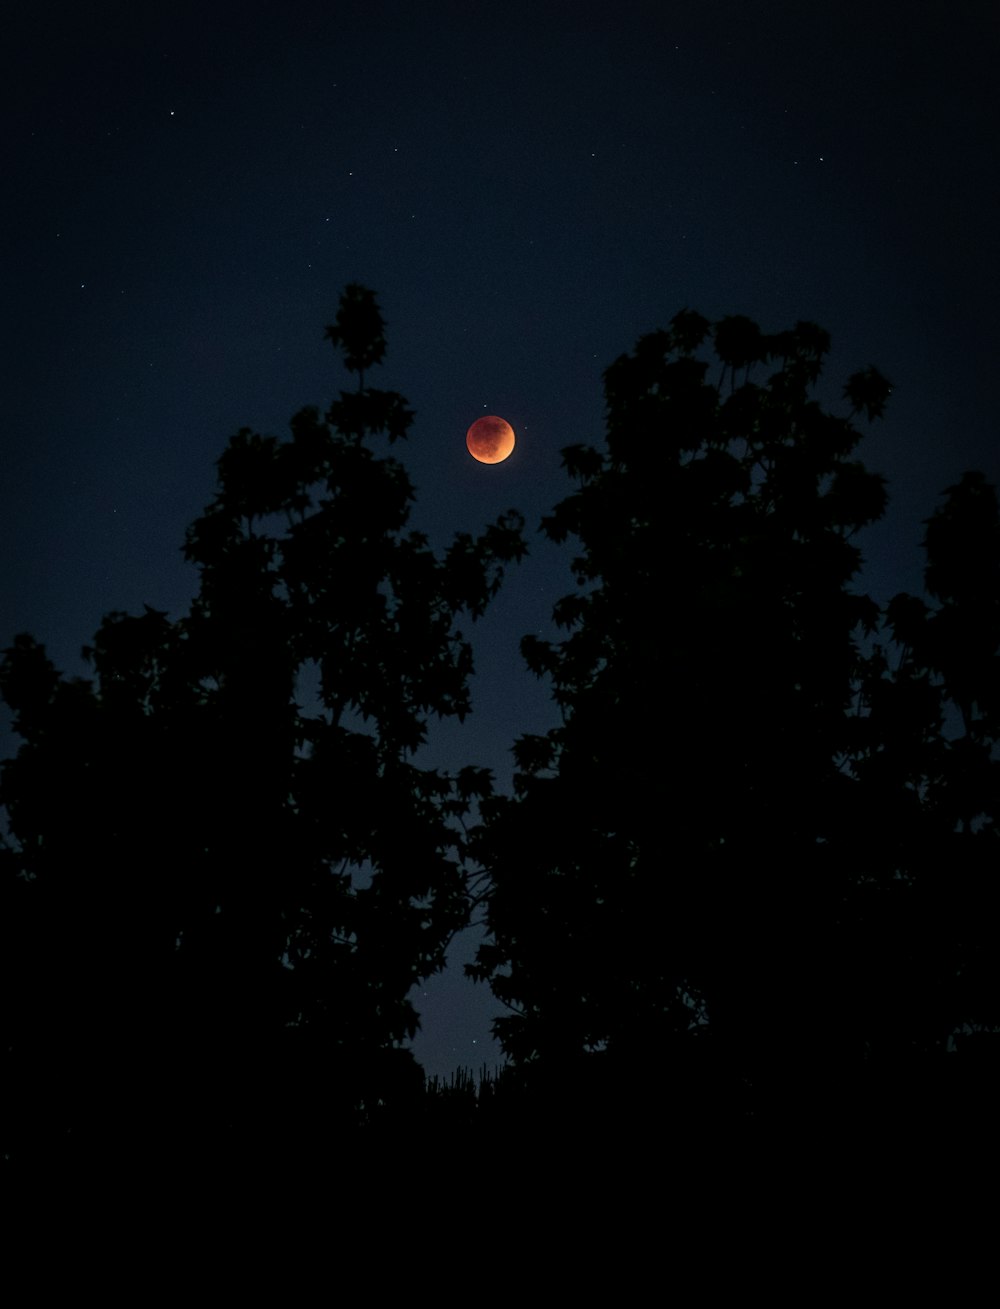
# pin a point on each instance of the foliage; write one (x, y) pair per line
(760, 851)
(738, 852)
(925, 894)
(224, 872)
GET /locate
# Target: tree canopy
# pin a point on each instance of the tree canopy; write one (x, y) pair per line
(224, 871)
(754, 867)
(756, 852)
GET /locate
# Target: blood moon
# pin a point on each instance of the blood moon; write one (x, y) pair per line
(490, 439)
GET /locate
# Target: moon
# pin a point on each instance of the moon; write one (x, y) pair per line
(490, 439)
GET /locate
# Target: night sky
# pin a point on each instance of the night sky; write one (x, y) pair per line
(527, 188)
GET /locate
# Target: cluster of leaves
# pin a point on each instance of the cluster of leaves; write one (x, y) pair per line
(741, 844)
(224, 871)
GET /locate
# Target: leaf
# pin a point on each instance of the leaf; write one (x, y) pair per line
(739, 341)
(689, 330)
(359, 330)
(867, 392)
(582, 461)
(533, 754)
(907, 616)
(856, 496)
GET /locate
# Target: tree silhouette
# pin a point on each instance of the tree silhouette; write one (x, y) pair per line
(224, 872)
(754, 867)
(919, 917)
(750, 854)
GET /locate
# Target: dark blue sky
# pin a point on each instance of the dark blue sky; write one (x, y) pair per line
(528, 188)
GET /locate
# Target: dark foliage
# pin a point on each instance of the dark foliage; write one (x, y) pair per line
(224, 873)
(758, 853)
(754, 873)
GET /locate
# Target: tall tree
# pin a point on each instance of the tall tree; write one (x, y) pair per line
(224, 871)
(919, 916)
(685, 871)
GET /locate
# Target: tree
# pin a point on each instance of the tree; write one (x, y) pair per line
(920, 916)
(683, 876)
(224, 870)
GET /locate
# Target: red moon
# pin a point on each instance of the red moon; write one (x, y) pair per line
(490, 439)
